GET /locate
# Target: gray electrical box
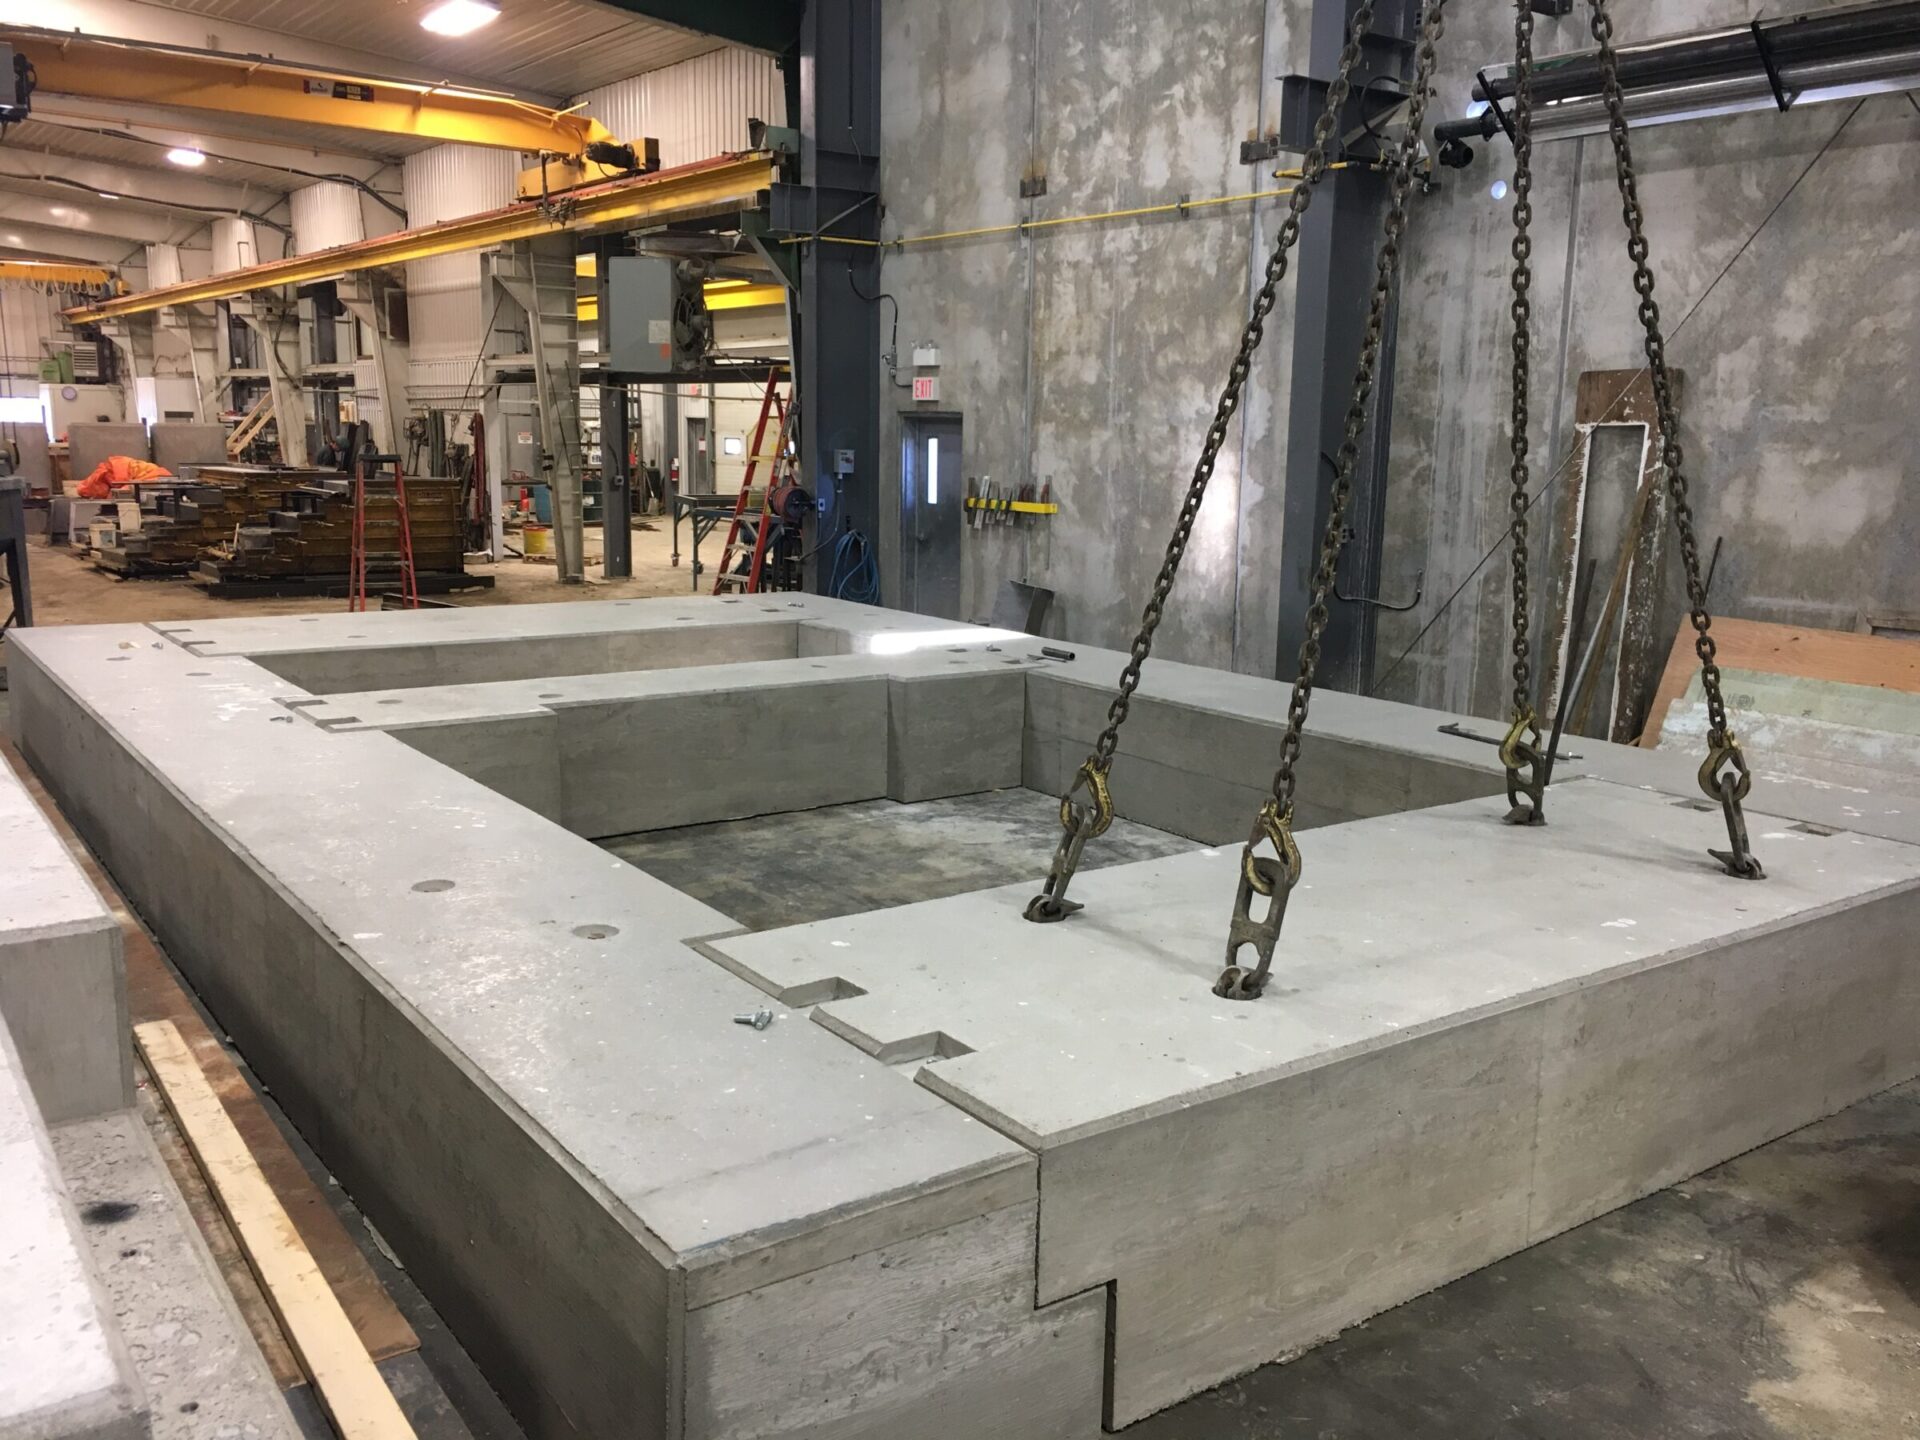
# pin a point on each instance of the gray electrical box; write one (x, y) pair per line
(657, 314)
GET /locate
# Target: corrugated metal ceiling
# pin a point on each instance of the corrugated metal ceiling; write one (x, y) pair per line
(555, 47)
(37, 135)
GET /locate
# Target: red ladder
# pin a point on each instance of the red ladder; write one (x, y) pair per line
(357, 575)
(754, 529)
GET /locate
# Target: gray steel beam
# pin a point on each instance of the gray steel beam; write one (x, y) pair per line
(1333, 274)
(837, 334)
(616, 478)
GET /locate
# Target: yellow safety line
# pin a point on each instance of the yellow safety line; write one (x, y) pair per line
(1020, 226)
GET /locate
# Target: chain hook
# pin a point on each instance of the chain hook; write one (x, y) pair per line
(1724, 777)
(1080, 823)
(1522, 750)
(1274, 877)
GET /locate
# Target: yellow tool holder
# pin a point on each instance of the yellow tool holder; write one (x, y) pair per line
(1018, 507)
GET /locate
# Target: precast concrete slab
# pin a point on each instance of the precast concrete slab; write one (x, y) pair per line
(1462, 1054)
(64, 1371)
(520, 1054)
(63, 980)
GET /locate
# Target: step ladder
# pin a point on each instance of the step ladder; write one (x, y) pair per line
(250, 426)
(751, 531)
(403, 529)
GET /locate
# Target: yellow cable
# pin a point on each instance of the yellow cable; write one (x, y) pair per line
(1019, 226)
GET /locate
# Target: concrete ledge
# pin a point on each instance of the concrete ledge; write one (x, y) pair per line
(63, 980)
(64, 1373)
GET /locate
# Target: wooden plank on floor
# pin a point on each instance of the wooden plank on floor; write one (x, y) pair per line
(155, 993)
(1842, 655)
(344, 1377)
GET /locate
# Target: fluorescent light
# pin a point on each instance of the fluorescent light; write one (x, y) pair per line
(106, 195)
(186, 155)
(459, 17)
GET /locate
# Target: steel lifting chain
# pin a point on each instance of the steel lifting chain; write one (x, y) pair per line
(1274, 877)
(1723, 774)
(1080, 821)
(1521, 752)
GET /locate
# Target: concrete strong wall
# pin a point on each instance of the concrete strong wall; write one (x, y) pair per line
(1091, 355)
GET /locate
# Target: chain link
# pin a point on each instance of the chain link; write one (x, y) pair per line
(1081, 824)
(1400, 184)
(1312, 169)
(1724, 775)
(1522, 340)
(1276, 877)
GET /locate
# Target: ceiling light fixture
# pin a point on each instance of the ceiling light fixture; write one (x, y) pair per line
(186, 155)
(459, 17)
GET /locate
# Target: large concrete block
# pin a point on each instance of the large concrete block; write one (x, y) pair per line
(178, 444)
(954, 733)
(64, 1373)
(514, 1063)
(63, 981)
(520, 1055)
(1464, 1049)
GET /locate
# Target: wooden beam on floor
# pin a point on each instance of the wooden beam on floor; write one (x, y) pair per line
(345, 1379)
(155, 993)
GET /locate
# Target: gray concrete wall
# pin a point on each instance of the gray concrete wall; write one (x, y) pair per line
(1091, 355)
(1801, 407)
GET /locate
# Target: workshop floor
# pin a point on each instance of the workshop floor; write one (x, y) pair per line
(69, 590)
(806, 865)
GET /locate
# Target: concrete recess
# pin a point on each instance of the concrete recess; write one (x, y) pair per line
(518, 1053)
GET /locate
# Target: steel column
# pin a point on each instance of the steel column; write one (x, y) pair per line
(837, 339)
(616, 475)
(1334, 271)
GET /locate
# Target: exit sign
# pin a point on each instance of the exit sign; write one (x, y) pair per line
(926, 387)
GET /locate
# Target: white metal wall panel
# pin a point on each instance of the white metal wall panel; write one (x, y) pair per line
(443, 291)
(235, 245)
(696, 109)
(325, 215)
(163, 266)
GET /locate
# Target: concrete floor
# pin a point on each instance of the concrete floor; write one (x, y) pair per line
(845, 859)
(69, 590)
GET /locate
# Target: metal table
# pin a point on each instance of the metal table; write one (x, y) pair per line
(703, 512)
(13, 549)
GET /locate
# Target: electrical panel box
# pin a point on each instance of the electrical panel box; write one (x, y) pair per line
(657, 316)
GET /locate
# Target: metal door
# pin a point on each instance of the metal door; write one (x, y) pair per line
(932, 514)
(699, 457)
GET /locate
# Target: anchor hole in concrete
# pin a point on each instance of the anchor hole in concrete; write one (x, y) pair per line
(432, 887)
(596, 932)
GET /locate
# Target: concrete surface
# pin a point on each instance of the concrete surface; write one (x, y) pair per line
(178, 444)
(64, 1370)
(201, 1370)
(635, 1216)
(519, 1053)
(63, 981)
(1441, 1082)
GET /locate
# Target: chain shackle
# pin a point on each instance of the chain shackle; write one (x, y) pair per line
(1243, 929)
(1274, 877)
(1522, 751)
(1731, 786)
(1051, 903)
(1079, 824)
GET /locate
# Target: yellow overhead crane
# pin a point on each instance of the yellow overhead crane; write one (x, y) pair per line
(711, 187)
(580, 148)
